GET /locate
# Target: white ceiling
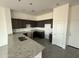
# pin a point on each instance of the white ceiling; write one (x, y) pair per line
(40, 6)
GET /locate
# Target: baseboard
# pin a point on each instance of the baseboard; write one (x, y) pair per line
(73, 47)
(3, 45)
(10, 34)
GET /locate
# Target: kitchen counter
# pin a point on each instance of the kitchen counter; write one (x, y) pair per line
(23, 49)
(40, 29)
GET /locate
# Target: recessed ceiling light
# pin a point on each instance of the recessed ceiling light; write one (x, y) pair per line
(19, 0)
(30, 3)
(33, 10)
(57, 4)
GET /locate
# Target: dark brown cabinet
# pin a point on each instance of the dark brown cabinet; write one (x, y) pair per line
(21, 23)
(50, 38)
(38, 34)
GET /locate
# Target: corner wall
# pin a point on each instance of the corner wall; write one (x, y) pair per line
(8, 20)
(5, 25)
(60, 21)
(3, 28)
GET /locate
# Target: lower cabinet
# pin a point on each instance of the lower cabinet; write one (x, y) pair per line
(35, 34)
(29, 34)
(38, 34)
(50, 38)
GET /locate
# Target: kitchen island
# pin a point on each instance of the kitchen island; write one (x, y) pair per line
(23, 49)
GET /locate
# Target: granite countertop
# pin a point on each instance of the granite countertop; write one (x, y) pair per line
(23, 49)
(40, 29)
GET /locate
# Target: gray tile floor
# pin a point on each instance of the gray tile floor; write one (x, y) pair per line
(53, 51)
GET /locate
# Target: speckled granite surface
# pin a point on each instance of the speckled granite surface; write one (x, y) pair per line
(22, 49)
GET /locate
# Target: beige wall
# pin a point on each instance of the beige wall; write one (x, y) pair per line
(74, 26)
(45, 16)
(19, 15)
